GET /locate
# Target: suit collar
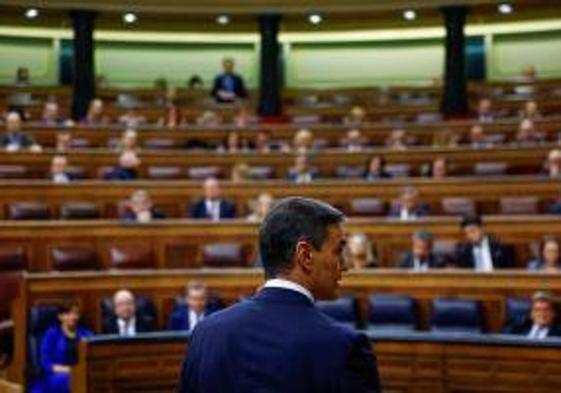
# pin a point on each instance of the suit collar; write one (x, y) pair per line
(282, 296)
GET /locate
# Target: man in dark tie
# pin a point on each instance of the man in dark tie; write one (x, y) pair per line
(278, 341)
(421, 258)
(213, 207)
(228, 86)
(194, 310)
(126, 321)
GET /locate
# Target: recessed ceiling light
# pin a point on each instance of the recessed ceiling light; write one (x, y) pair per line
(31, 13)
(409, 15)
(129, 17)
(315, 19)
(505, 8)
(223, 20)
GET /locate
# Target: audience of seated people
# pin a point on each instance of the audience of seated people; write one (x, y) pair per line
(549, 258)
(127, 169)
(193, 308)
(480, 251)
(409, 207)
(125, 320)
(261, 207)
(140, 208)
(421, 257)
(302, 172)
(360, 253)
(541, 323)
(59, 350)
(228, 86)
(212, 206)
(14, 139)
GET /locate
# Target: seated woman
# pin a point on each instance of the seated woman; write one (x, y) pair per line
(59, 350)
(141, 208)
(550, 256)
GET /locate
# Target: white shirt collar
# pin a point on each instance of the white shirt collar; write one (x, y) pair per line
(127, 329)
(290, 285)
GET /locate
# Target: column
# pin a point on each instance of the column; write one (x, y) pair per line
(270, 100)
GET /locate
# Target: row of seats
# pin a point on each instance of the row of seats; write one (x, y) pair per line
(134, 255)
(359, 207)
(399, 312)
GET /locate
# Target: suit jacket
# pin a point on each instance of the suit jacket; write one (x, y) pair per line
(293, 176)
(120, 173)
(555, 208)
(407, 261)
(179, 319)
(237, 84)
(227, 210)
(277, 342)
(17, 138)
(501, 255)
(420, 210)
(525, 326)
(144, 324)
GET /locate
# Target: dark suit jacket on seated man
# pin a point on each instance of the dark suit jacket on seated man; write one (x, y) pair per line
(194, 308)
(126, 321)
(421, 257)
(278, 341)
(228, 86)
(541, 322)
(212, 206)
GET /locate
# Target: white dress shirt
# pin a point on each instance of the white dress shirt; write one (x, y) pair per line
(127, 328)
(61, 178)
(213, 209)
(194, 319)
(290, 285)
(482, 256)
(420, 266)
(405, 214)
(538, 332)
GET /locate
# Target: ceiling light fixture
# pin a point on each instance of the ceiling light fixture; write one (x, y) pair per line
(130, 18)
(315, 19)
(409, 15)
(505, 8)
(223, 20)
(31, 13)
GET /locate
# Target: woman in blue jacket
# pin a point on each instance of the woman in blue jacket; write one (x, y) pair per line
(59, 350)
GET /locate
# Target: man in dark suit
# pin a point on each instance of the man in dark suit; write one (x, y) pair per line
(127, 168)
(302, 172)
(212, 206)
(228, 86)
(481, 251)
(194, 310)
(126, 321)
(141, 208)
(421, 257)
(409, 207)
(14, 139)
(278, 341)
(541, 322)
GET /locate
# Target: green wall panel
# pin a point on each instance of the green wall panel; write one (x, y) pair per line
(510, 53)
(133, 64)
(34, 53)
(365, 64)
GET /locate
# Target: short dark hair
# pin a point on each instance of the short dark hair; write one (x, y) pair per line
(423, 235)
(471, 219)
(66, 306)
(292, 220)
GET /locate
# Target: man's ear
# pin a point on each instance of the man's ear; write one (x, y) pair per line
(304, 255)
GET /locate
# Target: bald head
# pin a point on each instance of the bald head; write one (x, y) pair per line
(123, 303)
(13, 122)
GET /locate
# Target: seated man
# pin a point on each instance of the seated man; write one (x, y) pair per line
(96, 114)
(212, 206)
(302, 172)
(51, 116)
(126, 321)
(485, 113)
(59, 174)
(477, 139)
(540, 323)
(228, 86)
(141, 208)
(481, 251)
(421, 258)
(194, 310)
(127, 168)
(14, 139)
(63, 141)
(409, 207)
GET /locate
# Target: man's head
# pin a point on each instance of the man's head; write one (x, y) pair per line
(211, 188)
(303, 240)
(409, 196)
(124, 305)
(50, 111)
(96, 107)
(228, 65)
(13, 122)
(422, 244)
(476, 134)
(196, 297)
(472, 227)
(58, 165)
(129, 139)
(484, 105)
(543, 309)
(439, 168)
(140, 201)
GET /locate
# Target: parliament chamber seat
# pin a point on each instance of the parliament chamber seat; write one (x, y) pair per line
(491, 168)
(456, 316)
(74, 258)
(349, 172)
(225, 255)
(343, 310)
(458, 206)
(13, 257)
(41, 318)
(29, 211)
(131, 255)
(13, 172)
(367, 207)
(392, 312)
(204, 172)
(160, 144)
(79, 211)
(517, 310)
(165, 173)
(261, 172)
(519, 205)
